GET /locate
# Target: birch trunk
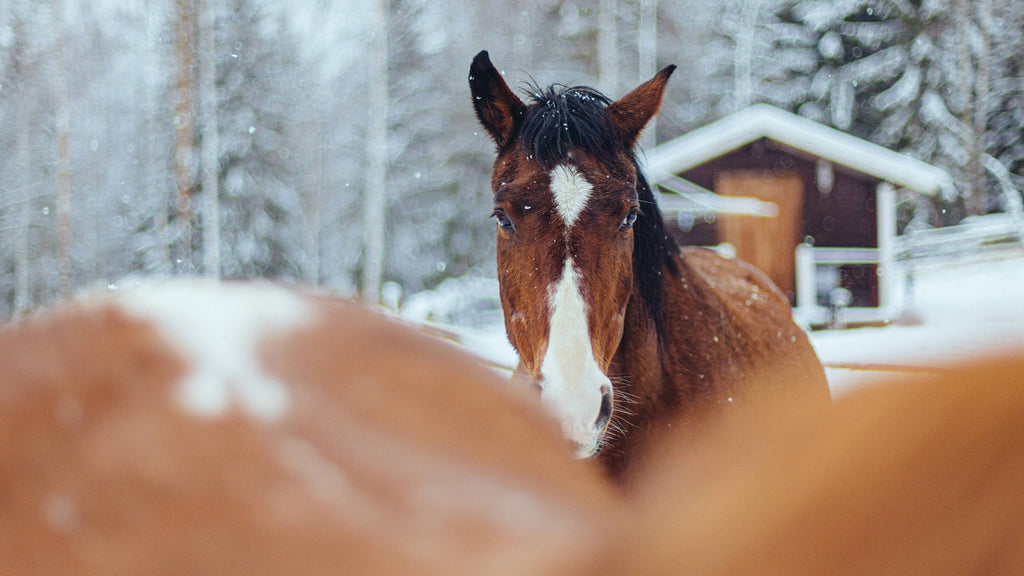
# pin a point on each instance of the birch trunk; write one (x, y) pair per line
(63, 128)
(184, 130)
(22, 182)
(375, 189)
(23, 230)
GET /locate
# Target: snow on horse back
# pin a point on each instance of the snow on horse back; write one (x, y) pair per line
(248, 428)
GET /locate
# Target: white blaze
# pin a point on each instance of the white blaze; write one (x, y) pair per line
(571, 190)
(572, 379)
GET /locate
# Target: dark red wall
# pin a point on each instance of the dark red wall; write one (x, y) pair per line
(843, 217)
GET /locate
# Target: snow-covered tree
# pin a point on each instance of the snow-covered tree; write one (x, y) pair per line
(759, 52)
(258, 92)
(293, 101)
(911, 76)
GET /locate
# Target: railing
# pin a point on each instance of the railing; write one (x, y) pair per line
(809, 311)
(975, 237)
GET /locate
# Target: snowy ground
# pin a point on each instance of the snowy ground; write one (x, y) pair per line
(964, 309)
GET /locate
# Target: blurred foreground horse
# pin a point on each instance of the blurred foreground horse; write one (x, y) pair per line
(624, 334)
(919, 478)
(248, 429)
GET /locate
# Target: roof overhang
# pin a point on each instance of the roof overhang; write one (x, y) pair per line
(764, 121)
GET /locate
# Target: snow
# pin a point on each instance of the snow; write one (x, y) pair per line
(821, 15)
(964, 310)
(831, 45)
(468, 310)
(900, 93)
(218, 327)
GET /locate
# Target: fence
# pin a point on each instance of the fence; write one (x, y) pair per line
(977, 237)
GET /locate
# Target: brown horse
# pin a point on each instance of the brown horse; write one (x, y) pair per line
(250, 429)
(625, 334)
(919, 478)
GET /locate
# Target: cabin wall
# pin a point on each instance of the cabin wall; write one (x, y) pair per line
(844, 216)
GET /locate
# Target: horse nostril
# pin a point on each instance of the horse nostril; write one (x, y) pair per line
(605, 413)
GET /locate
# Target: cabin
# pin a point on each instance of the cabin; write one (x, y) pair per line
(811, 206)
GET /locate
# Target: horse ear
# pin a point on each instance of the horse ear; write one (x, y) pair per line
(498, 109)
(634, 110)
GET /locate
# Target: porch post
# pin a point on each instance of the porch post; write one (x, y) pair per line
(889, 273)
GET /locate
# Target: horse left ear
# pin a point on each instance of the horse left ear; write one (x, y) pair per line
(498, 109)
(634, 110)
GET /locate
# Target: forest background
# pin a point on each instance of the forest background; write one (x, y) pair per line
(332, 142)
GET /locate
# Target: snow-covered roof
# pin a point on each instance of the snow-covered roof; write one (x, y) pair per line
(765, 121)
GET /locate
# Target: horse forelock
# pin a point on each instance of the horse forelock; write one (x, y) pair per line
(562, 119)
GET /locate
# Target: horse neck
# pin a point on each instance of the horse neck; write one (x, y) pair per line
(638, 360)
(660, 367)
(640, 385)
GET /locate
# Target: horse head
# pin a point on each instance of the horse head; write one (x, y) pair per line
(570, 204)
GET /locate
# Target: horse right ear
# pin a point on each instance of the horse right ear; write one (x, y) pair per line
(498, 109)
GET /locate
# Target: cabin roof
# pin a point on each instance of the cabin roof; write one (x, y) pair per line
(764, 121)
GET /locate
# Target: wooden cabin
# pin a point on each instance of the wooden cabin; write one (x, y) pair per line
(813, 207)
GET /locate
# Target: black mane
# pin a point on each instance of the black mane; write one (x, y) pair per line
(653, 250)
(561, 119)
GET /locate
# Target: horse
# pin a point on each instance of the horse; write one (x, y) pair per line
(624, 333)
(226, 428)
(916, 476)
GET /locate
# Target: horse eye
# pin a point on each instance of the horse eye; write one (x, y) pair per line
(630, 219)
(503, 220)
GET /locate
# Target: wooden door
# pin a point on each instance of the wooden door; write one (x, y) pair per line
(767, 243)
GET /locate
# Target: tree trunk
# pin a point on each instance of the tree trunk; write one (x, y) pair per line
(607, 47)
(22, 156)
(980, 107)
(743, 67)
(156, 178)
(22, 245)
(63, 128)
(210, 163)
(184, 130)
(971, 193)
(647, 57)
(375, 189)
(314, 208)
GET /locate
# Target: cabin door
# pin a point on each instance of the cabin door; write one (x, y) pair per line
(767, 243)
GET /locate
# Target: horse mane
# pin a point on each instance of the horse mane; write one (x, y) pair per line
(561, 119)
(653, 250)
